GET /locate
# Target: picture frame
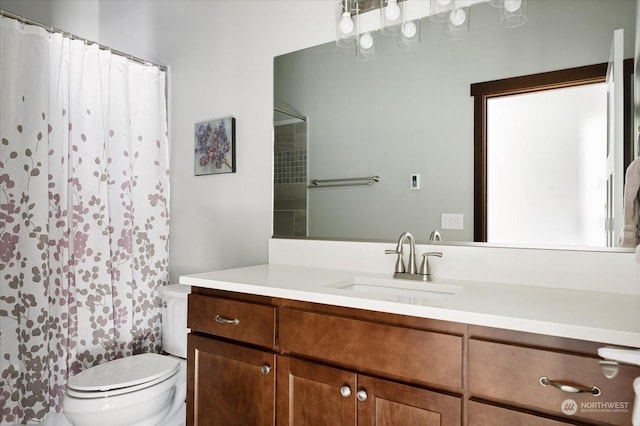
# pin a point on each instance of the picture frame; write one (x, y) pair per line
(215, 146)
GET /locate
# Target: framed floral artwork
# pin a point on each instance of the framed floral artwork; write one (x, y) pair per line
(215, 146)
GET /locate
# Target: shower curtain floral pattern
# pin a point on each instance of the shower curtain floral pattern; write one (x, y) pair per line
(84, 213)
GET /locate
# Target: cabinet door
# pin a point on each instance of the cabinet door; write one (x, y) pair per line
(229, 384)
(314, 395)
(383, 403)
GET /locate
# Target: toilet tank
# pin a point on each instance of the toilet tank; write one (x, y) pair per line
(174, 319)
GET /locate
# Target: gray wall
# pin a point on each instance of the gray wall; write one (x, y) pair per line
(411, 112)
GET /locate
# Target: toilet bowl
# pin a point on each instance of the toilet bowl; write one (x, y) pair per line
(139, 390)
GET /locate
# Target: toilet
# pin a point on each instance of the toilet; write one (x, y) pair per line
(139, 390)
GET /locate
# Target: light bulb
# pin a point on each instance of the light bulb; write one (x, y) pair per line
(512, 5)
(443, 2)
(366, 41)
(392, 11)
(346, 23)
(458, 17)
(409, 29)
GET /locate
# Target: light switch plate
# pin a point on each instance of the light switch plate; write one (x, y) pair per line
(415, 181)
(452, 221)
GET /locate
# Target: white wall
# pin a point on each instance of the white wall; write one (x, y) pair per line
(77, 17)
(220, 67)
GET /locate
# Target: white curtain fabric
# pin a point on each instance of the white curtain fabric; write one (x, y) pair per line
(84, 213)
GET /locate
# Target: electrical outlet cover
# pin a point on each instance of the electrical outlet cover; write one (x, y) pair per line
(452, 221)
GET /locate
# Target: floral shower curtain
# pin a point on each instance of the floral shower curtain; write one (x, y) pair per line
(84, 213)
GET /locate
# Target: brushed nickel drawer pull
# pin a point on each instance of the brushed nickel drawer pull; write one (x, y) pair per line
(594, 390)
(222, 320)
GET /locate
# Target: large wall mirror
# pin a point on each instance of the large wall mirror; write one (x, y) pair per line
(403, 124)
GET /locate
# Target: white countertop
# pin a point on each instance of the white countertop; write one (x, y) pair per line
(587, 315)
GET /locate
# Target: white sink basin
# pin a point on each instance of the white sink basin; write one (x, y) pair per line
(398, 290)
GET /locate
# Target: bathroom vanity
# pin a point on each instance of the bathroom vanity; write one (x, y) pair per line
(286, 345)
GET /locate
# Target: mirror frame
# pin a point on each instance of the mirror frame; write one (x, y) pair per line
(570, 77)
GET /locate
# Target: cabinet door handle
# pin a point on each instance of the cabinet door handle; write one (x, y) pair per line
(345, 391)
(222, 320)
(265, 369)
(362, 395)
(594, 390)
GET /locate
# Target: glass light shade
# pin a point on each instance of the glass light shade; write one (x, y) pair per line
(513, 13)
(496, 3)
(367, 46)
(409, 36)
(391, 16)
(346, 25)
(440, 9)
(457, 26)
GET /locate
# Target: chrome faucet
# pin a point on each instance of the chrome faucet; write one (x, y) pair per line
(400, 270)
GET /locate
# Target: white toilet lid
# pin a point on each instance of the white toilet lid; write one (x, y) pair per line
(124, 373)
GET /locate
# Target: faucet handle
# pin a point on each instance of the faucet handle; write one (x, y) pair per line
(432, 253)
(399, 268)
(424, 267)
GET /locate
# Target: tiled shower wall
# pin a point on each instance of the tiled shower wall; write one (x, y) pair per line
(290, 180)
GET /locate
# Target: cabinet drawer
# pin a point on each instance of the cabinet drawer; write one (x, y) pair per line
(396, 352)
(485, 414)
(511, 374)
(243, 321)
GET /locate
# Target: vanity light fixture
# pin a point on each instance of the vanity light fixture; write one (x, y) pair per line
(409, 37)
(392, 10)
(367, 47)
(394, 20)
(440, 10)
(457, 26)
(391, 17)
(513, 13)
(347, 24)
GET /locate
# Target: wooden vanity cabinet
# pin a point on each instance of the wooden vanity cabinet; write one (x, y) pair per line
(256, 360)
